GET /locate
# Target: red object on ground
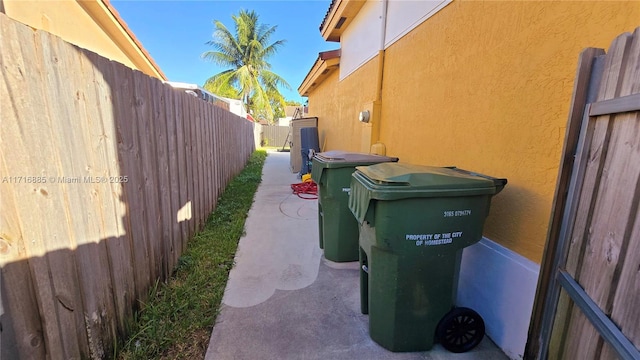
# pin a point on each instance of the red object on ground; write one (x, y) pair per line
(306, 190)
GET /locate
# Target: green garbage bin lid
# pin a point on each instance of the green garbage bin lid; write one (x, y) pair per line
(424, 181)
(395, 181)
(338, 159)
(341, 159)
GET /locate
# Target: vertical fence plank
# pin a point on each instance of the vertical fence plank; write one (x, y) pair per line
(207, 162)
(99, 87)
(155, 144)
(201, 159)
(86, 255)
(195, 195)
(130, 158)
(250, 140)
(225, 154)
(626, 312)
(238, 140)
(159, 127)
(48, 233)
(212, 162)
(188, 135)
(193, 158)
(80, 133)
(212, 158)
(174, 185)
(183, 211)
(217, 171)
(17, 283)
(230, 154)
(225, 150)
(197, 155)
(146, 143)
(220, 147)
(197, 185)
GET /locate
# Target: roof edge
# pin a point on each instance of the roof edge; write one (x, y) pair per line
(325, 64)
(97, 9)
(338, 17)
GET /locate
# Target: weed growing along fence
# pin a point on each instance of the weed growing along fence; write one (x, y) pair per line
(177, 320)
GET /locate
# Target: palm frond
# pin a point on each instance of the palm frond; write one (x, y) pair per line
(273, 80)
(265, 33)
(272, 49)
(244, 52)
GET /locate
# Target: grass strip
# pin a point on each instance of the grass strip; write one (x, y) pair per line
(177, 320)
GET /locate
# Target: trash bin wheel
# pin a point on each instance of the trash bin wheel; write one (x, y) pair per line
(460, 330)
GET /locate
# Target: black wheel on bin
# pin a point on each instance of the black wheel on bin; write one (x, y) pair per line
(460, 330)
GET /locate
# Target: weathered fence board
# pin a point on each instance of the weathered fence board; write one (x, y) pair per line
(120, 239)
(625, 284)
(629, 283)
(106, 175)
(188, 113)
(162, 172)
(173, 191)
(610, 206)
(200, 118)
(91, 257)
(59, 295)
(597, 262)
(16, 272)
(96, 107)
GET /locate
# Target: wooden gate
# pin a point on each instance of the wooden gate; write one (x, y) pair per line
(275, 136)
(588, 302)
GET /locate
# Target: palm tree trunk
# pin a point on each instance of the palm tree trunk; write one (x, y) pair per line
(246, 103)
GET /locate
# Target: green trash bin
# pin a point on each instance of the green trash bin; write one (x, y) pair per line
(414, 221)
(338, 230)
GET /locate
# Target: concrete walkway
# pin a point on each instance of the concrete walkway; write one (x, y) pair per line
(285, 301)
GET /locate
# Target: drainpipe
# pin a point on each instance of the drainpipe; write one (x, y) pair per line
(385, 4)
(377, 147)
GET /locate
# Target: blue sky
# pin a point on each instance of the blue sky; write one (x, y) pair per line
(175, 33)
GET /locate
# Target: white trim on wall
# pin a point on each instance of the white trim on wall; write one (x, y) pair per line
(404, 16)
(501, 286)
(362, 40)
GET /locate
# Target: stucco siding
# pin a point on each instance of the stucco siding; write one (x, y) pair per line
(486, 86)
(93, 25)
(337, 105)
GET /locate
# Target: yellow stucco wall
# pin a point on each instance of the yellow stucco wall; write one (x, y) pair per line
(337, 108)
(70, 21)
(486, 86)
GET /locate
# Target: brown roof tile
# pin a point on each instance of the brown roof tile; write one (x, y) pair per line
(333, 3)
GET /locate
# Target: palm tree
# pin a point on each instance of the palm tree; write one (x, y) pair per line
(245, 54)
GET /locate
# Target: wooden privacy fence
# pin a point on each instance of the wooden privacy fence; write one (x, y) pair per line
(105, 175)
(588, 304)
(275, 136)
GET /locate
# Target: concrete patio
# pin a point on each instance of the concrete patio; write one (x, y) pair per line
(285, 301)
